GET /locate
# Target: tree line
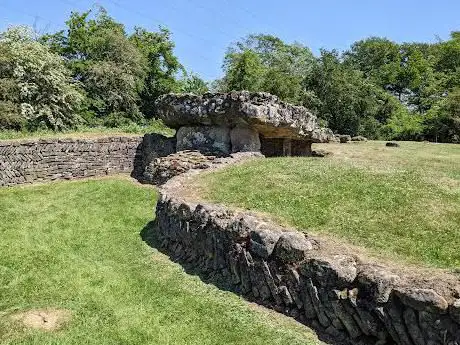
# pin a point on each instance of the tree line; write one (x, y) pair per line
(95, 73)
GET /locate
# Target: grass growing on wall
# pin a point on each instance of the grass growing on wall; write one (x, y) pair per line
(400, 202)
(154, 126)
(76, 246)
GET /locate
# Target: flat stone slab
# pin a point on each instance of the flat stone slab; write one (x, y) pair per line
(260, 111)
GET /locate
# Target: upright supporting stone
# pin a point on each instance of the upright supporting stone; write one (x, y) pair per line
(244, 139)
(308, 150)
(271, 147)
(206, 139)
(287, 147)
(301, 148)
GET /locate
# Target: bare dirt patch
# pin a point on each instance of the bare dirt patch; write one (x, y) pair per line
(43, 319)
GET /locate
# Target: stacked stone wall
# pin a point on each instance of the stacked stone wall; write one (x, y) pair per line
(345, 297)
(28, 161)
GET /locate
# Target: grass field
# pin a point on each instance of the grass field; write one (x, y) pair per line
(76, 246)
(403, 203)
(153, 126)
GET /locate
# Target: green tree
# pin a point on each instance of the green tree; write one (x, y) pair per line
(404, 125)
(350, 103)
(191, 83)
(448, 60)
(405, 70)
(162, 66)
(443, 119)
(266, 63)
(37, 90)
(10, 110)
(378, 58)
(243, 71)
(110, 67)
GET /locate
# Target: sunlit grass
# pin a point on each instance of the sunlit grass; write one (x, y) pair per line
(403, 203)
(76, 246)
(154, 126)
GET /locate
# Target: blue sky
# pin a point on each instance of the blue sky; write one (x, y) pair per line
(203, 29)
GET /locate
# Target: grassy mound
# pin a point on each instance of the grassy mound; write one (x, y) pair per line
(75, 246)
(402, 202)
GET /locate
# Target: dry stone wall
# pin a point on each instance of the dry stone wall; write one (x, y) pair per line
(28, 161)
(347, 299)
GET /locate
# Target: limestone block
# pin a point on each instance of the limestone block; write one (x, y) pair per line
(263, 241)
(292, 247)
(337, 270)
(423, 300)
(206, 139)
(344, 138)
(244, 139)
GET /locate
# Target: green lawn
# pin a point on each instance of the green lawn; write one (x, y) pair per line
(154, 126)
(76, 245)
(403, 203)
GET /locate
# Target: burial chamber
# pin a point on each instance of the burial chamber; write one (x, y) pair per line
(224, 123)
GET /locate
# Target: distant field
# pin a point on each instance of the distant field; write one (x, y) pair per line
(76, 246)
(403, 203)
(88, 132)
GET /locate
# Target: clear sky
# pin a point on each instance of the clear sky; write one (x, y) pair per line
(203, 29)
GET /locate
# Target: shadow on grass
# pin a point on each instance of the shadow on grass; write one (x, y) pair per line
(149, 236)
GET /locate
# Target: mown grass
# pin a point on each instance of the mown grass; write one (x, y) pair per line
(76, 245)
(403, 203)
(153, 126)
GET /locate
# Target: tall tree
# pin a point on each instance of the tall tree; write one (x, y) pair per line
(37, 90)
(162, 66)
(443, 119)
(266, 63)
(122, 75)
(448, 60)
(243, 71)
(349, 102)
(191, 83)
(110, 67)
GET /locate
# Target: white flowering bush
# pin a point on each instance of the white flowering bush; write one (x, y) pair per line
(35, 83)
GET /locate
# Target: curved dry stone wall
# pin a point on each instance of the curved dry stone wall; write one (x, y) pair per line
(331, 289)
(28, 161)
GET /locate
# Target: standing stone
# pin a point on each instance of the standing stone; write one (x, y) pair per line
(209, 140)
(301, 148)
(316, 301)
(287, 149)
(154, 146)
(455, 311)
(244, 139)
(411, 321)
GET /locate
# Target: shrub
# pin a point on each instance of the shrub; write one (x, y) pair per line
(40, 90)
